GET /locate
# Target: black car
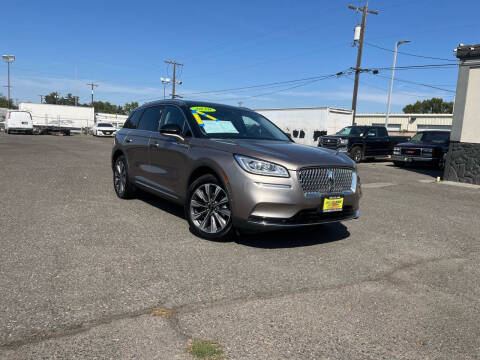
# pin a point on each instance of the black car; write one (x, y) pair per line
(361, 142)
(426, 147)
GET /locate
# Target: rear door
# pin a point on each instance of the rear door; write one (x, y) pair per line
(132, 144)
(169, 154)
(137, 143)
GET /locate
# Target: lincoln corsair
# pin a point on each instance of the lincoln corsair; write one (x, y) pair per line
(231, 168)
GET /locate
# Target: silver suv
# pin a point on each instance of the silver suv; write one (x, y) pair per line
(231, 168)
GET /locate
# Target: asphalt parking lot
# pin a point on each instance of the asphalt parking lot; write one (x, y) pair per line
(81, 271)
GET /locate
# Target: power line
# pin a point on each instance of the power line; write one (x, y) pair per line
(260, 85)
(420, 84)
(409, 54)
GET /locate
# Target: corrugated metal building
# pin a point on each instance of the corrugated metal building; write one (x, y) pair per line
(410, 123)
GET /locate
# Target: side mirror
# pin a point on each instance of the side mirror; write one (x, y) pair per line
(171, 130)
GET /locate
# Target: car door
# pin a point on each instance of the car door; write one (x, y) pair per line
(136, 144)
(384, 145)
(169, 154)
(371, 142)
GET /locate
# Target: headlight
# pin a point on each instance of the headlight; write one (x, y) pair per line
(344, 141)
(396, 150)
(354, 182)
(260, 167)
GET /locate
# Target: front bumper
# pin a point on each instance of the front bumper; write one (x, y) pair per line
(406, 158)
(267, 203)
(100, 133)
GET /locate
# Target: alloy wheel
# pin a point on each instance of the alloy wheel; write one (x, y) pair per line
(209, 208)
(120, 177)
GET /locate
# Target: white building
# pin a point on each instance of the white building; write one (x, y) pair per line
(410, 123)
(305, 125)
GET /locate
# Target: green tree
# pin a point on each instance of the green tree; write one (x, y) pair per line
(129, 107)
(430, 106)
(4, 103)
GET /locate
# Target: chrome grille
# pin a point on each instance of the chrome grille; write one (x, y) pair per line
(329, 143)
(325, 180)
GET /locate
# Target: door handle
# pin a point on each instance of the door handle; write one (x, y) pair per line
(155, 144)
(129, 140)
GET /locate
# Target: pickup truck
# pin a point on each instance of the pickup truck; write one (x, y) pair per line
(361, 142)
(425, 147)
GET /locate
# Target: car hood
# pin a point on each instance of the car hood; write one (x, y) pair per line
(288, 154)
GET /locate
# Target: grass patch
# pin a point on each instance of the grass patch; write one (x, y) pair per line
(205, 349)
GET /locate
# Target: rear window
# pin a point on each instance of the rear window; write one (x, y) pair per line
(19, 115)
(431, 137)
(132, 121)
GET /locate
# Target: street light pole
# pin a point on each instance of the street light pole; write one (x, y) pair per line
(165, 81)
(8, 59)
(387, 115)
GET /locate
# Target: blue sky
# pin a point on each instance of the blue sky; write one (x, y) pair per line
(60, 46)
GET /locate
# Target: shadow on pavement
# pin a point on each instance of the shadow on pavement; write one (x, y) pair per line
(289, 238)
(286, 238)
(421, 169)
(161, 204)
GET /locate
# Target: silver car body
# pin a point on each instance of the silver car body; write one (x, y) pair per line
(166, 165)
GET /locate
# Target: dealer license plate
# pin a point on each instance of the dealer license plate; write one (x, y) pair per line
(333, 204)
(107, 132)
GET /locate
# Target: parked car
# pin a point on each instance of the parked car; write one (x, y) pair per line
(231, 168)
(361, 142)
(104, 129)
(18, 121)
(426, 147)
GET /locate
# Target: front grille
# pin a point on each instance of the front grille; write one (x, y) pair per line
(329, 143)
(325, 180)
(411, 152)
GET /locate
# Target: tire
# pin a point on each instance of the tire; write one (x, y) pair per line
(208, 209)
(399, 163)
(123, 187)
(356, 154)
(8, 131)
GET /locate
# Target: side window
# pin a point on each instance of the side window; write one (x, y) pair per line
(382, 132)
(173, 116)
(372, 131)
(150, 119)
(132, 121)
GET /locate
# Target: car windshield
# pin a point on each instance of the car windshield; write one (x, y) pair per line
(104, 125)
(216, 121)
(351, 130)
(431, 137)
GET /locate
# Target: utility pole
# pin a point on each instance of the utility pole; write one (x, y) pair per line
(93, 86)
(364, 11)
(41, 99)
(8, 59)
(174, 63)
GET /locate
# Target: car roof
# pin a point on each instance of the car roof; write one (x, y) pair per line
(182, 102)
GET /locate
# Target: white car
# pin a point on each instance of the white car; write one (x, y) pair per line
(18, 121)
(104, 129)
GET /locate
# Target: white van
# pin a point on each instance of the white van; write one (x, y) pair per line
(16, 121)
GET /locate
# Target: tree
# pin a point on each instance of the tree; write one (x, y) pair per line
(4, 103)
(129, 107)
(430, 106)
(99, 106)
